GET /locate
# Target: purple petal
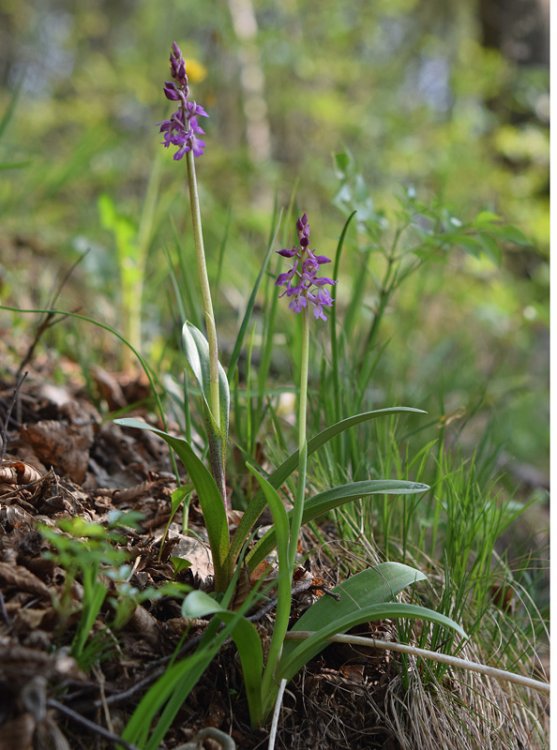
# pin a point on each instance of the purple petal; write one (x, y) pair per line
(284, 278)
(199, 110)
(318, 312)
(298, 304)
(170, 91)
(293, 291)
(181, 152)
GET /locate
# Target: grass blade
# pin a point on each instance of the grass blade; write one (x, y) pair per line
(257, 504)
(326, 501)
(234, 357)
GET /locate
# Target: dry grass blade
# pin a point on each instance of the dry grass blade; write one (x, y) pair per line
(453, 661)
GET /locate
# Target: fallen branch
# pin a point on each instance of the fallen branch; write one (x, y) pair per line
(95, 728)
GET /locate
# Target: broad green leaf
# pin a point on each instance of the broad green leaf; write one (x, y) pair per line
(326, 501)
(245, 636)
(257, 504)
(200, 604)
(364, 597)
(210, 499)
(306, 650)
(486, 218)
(281, 526)
(196, 349)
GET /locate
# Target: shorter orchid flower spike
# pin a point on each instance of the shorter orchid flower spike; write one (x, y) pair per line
(182, 127)
(302, 284)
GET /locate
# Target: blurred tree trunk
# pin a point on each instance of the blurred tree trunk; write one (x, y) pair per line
(252, 80)
(519, 29)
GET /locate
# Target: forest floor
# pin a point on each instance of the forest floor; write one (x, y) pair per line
(61, 460)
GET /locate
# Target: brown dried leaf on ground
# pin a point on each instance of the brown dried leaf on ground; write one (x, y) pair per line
(18, 733)
(17, 577)
(197, 553)
(18, 472)
(61, 444)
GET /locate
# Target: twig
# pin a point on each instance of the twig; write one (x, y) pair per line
(270, 605)
(50, 318)
(453, 661)
(3, 611)
(96, 728)
(4, 433)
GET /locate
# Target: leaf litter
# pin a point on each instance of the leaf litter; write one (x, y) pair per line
(61, 462)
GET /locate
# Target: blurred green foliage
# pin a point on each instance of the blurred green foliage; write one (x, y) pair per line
(406, 86)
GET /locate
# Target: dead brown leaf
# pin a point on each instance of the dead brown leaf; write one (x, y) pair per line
(61, 444)
(20, 578)
(18, 733)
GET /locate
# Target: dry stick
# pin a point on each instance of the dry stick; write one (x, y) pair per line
(50, 318)
(125, 695)
(453, 661)
(96, 728)
(276, 715)
(4, 433)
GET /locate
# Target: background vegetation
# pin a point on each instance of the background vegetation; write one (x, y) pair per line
(407, 87)
(440, 110)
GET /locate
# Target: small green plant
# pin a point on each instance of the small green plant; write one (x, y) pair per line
(132, 245)
(91, 555)
(367, 596)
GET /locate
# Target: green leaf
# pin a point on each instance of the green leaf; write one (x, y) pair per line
(234, 357)
(309, 648)
(210, 499)
(491, 247)
(364, 597)
(245, 636)
(172, 689)
(326, 501)
(196, 349)
(281, 526)
(200, 604)
(486, 218)
(257, 504)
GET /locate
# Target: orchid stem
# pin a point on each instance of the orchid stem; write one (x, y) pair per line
(205, 292)
(297, 513)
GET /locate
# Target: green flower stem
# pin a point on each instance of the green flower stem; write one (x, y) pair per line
(217, 449)
(271, 680)
(298, 510)
(214, 404)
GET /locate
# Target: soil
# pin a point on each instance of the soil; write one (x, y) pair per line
(61, 460)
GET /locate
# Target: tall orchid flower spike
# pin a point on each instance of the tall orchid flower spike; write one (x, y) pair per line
(302, 284)
(182, 128)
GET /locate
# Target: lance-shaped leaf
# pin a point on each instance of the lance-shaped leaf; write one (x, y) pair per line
(364, 597)
(257, 504)
(209, 496)
(325, 501)
(196, 349)
(244, 635)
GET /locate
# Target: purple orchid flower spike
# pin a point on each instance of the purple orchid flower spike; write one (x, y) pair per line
(182, 128)
(302, 284)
